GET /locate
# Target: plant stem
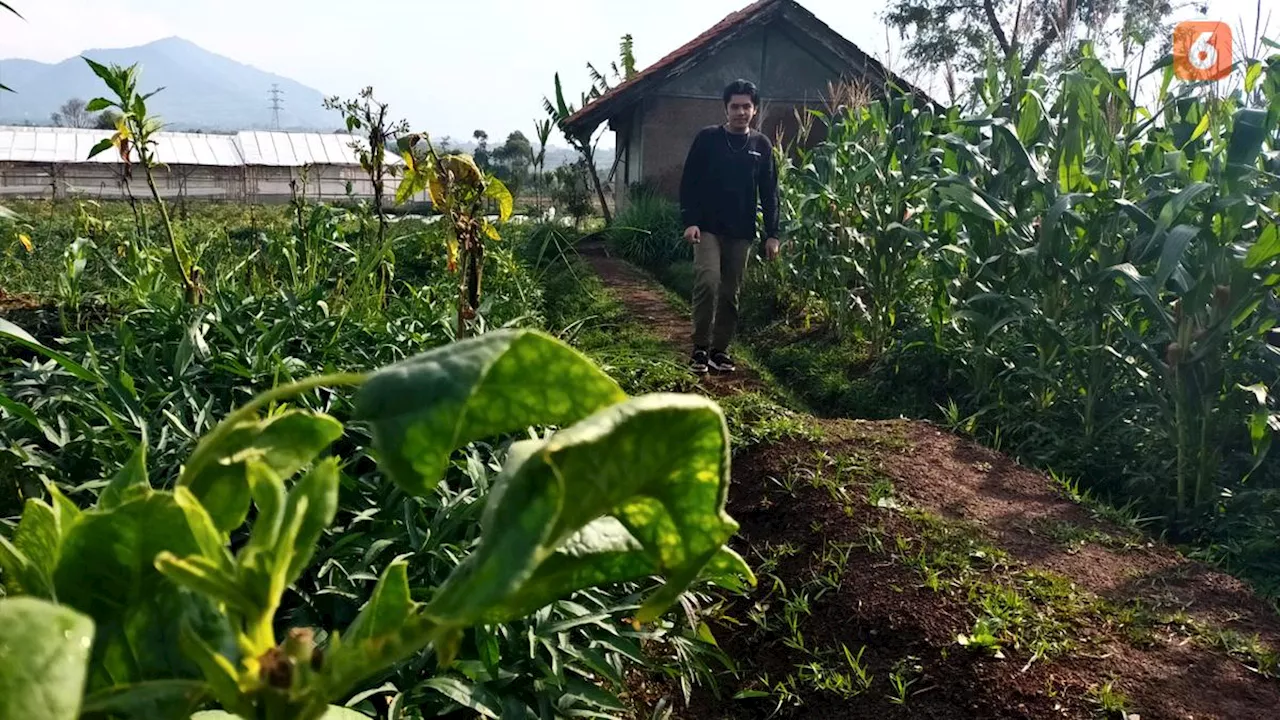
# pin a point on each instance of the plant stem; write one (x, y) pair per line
(188, 286)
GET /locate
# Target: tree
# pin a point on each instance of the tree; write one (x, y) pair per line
(961, 33)
(481, 155)
(510, 161)
(74, 114)
(584, 143)
(107, 120)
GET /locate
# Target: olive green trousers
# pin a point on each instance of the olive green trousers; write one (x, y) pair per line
(719, 265)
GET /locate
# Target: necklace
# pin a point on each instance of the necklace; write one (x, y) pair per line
(745, 142)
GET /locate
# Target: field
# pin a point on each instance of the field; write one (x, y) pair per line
(998, 448)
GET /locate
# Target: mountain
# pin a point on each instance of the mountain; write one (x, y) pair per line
(202, 90)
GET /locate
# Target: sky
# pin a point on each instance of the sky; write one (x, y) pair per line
(448, 67)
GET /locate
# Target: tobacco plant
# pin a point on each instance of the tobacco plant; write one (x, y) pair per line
(461, 191)
(135, 133)
(143, 606)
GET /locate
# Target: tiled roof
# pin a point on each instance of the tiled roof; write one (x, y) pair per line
(733, 25)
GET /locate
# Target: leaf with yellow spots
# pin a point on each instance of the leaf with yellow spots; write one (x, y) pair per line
(423, 408)
(636, 490)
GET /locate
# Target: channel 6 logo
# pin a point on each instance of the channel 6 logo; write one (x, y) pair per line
(1202, 50)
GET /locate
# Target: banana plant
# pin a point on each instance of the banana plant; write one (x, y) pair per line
(135, 134)
(459, 190)
(146, 611)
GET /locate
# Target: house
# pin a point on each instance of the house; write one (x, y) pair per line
(793, 58)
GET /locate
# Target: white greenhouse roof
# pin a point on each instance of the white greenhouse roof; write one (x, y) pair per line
(70, 146)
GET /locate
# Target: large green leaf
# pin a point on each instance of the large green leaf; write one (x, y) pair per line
(318, 489)
(656, 466)
(107, 571)
(1247, 136)
(424, 408)
(217, 473)
(44, 652)
(1176, 242)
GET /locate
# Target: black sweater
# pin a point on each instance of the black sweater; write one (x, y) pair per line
(723, 181)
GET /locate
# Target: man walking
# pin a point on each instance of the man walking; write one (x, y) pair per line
(728, 173)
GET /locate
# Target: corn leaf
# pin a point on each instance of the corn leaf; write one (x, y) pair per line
(44, 649)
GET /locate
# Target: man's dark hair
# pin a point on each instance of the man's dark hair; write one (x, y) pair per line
(741, 87)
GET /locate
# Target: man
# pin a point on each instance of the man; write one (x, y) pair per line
(728, 172)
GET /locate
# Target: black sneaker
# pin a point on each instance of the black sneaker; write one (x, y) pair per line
(698, 363)
(721, 362)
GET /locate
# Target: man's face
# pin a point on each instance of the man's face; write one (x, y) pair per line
(741, 111)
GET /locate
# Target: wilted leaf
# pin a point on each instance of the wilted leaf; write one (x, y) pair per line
(424, 408)
(496, 190)
(44, 652)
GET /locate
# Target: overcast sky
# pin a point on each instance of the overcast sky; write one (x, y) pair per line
(503, 53)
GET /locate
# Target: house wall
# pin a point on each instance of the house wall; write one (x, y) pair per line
(790, 73)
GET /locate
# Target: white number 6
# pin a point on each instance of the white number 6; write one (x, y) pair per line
(1202, 54)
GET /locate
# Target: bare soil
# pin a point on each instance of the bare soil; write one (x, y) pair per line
(1173, 670)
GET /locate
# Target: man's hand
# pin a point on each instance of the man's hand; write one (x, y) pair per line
(692, 235)
(771, 248)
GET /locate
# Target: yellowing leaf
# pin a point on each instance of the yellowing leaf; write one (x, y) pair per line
(491, 232)
(25, 241)
(496, 190)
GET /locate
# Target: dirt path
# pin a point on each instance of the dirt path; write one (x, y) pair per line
(1119, 621)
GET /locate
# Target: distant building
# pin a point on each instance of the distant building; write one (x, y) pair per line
(792, 57)
(250, 166)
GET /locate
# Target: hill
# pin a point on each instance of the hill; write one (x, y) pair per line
(203, 90)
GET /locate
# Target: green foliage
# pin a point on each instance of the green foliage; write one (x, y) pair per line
(632, 488)
(135, 135)
(43, 651)
(1091, 282)
(648, 232)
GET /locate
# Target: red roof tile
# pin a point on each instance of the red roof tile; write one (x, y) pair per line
(598, 110)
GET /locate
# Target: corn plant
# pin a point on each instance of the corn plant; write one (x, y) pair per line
(848, 199)
(138, 606)
(1099, 276)
(135, 134)
(460, 190)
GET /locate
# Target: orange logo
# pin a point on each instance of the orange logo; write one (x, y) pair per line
(1202, 50)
